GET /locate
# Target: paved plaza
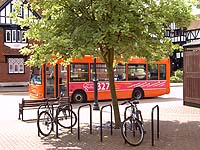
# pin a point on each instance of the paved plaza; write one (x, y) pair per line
(179, 127)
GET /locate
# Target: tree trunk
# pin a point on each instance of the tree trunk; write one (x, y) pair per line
(109, 64)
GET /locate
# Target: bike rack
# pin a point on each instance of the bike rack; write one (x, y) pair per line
(38, 111)
(79, 119)
(101, 134)
(56, 120)
(152, 124)
(125, 118)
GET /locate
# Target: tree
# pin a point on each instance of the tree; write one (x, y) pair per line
(196, 3)
(109, 29)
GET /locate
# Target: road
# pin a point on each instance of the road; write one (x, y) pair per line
(14, 98)
(179, 127)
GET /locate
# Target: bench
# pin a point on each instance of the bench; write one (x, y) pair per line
(34, 104)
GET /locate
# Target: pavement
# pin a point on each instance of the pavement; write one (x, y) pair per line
(179, 127)
(13, 89)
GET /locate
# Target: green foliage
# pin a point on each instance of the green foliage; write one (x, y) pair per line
(196, 3)
(73, 28)
(178, 77)
(178, 73)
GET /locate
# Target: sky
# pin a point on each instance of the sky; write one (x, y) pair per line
(196, 11)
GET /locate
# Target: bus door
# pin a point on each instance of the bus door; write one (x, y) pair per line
(50, 80)
(63, 80)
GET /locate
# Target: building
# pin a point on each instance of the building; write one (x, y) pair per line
(12, 68)
(181, 37)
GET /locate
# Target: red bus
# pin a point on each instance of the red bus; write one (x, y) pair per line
(136, 79)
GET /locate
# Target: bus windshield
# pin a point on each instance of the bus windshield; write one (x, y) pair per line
(36, 76)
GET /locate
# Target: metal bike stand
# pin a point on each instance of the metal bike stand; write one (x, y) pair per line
(79, 119)
(38, 112)
(101, 134)
(152, 124)
(70, 105)
(125, 118)
(56, 119)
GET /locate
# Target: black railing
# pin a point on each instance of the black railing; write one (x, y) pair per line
(38, 112)
(79, 119)
(152, 123)
(125, 111)
(101, 131)
(56, 119)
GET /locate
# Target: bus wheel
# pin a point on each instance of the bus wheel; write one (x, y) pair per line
(138, 93)
(79, 97)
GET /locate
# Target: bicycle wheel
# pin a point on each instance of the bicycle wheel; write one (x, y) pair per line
(65, 116)
(132, 131)
(45, 123)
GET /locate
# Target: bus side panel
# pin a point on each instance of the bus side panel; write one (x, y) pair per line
(124, 89)
(107, 96)
(154, 92)
(36, 91)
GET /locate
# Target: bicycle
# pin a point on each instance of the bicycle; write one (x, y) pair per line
(65, 117)
(132, 128)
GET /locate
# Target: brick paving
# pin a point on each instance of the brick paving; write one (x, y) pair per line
(179, 128)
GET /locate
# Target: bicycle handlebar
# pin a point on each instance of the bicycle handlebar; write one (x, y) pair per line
(45, 99)
(131, 101)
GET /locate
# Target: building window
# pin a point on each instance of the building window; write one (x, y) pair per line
(20, 10)
(15, 36)
(20, 13)
(16, 65)
(23, 36)
(18, 36)
(178, 55)
(177, 32)
(167, 33)
(8, 35)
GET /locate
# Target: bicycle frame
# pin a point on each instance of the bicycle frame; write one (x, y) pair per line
(47, 108)
(134, 124)
(138, 113)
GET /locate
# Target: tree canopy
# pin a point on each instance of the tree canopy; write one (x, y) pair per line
(72, 28)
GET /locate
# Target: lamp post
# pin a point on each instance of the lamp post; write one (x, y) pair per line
(95, 104)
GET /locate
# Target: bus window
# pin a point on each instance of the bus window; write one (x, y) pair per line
(120, 73)
(136, 72)
(102, 74)
(35, 77)
(79, 72)
(153, 72)
(163, 72)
